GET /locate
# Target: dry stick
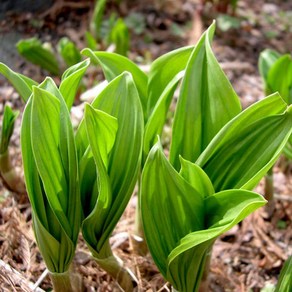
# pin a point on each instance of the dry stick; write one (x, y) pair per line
(18, 277)
(40, 279)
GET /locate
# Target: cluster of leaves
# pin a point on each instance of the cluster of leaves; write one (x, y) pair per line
(44, 55)
(66, 54)
(218, 154)
(276, 72)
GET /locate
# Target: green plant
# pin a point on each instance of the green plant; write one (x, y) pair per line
(111, 31)
(115, 147)
(155, 93)
(96, 170)
(218, 154)
(10, 178)
(285, 278)
(52, 184)
(69, 52)
(276, 72)
(40, 54)
(119, 36)
(46, 57)
(96, 20)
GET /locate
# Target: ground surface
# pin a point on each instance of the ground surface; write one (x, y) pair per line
(249, 257)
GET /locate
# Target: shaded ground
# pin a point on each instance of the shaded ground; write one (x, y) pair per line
(248, 257)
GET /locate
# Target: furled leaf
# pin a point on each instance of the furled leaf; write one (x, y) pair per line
(156, 121)
(120, 37)
(69, 51)
(119, 99)
(101, 130)
(70, 81)
(266, 60)
(182, 217)
(196, 177)
(222, 211)
(96, 20)
(163, 71)
(21, 83)
(114, 65)
(280, 78)
(9, 118)
(52, 184)
(206, 103)
(91, 42)
(171, 207)
(34, 51)
(246, 148)
(285, 279)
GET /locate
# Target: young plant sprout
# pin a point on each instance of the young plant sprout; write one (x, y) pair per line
(110, 137)
(276, 72)
(11, 179)
(52, 179)
(84, 179)
(227, 152)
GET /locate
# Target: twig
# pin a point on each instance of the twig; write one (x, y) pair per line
(18, 277)
(40, 279)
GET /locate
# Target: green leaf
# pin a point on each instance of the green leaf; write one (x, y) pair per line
(163, 71)
(69, 52)
(70, 81)
(199, 180)
(101, 130)
(91, 42)
(9, 118)
(266, 60)
(156, 121)
(288, 149)
(222, 211)
(280, 78)
(119, 99)
(96, 20)
(34, 51)
(114, 65)
(120, 37)
(21, 83)
(171, 207)
(47, 132)
(182, 217)
(206, 103)
(246, 148)
(285, 279)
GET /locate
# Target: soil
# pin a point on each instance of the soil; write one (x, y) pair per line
(247, 258)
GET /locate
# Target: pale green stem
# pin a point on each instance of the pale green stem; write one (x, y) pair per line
(204, 285)
(10, 178)
(114, 267)
(61, 282)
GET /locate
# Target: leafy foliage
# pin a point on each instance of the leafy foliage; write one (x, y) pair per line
(196, 202)
(37, 53)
